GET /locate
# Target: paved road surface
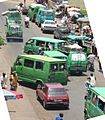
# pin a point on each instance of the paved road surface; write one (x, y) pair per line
(29, 108)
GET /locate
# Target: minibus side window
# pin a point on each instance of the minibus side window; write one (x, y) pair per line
(54, 67)
(39, 65)
(30, 41)
(40, 43)
(62, 66)
(28, 63)
(101, 105)
(50, 46)
(94, 99)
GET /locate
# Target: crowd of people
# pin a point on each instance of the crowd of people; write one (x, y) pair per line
(13, 81)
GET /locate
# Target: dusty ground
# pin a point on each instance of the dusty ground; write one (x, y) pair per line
(77, 3)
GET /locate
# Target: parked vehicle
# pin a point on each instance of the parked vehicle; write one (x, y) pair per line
(61, 33)
(49, 26)
(44, 14)
(38, 69)
(14, 32)
(33, 44)
(33, 10)
(53, 95)
(94, 102)
(55, 54)
(77, 62)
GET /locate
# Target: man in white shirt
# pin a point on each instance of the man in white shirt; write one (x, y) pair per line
(3, 79)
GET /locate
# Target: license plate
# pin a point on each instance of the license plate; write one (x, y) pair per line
(58, 100)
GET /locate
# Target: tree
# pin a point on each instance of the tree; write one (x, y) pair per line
(2, 41)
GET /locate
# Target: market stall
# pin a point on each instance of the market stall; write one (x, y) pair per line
(11, 95)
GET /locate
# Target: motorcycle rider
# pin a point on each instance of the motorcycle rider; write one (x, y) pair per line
(27, 19)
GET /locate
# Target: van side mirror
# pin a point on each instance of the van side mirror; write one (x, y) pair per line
(86, 97)
(32, 44)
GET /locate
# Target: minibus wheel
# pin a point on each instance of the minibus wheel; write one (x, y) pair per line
(39, 84)
(29, 52)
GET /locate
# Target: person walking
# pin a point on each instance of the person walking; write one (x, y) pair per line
(59, 117)
(3, 79)
(13, 81)
(92, 80)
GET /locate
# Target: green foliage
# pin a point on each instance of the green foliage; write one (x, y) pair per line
(2, 41)
(83, 11)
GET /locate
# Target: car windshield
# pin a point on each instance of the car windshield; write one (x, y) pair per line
(64, 30)
(56, 91)
(49, 22)
(15, 15)
(48, 14)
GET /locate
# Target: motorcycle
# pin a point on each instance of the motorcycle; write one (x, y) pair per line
(27, 24)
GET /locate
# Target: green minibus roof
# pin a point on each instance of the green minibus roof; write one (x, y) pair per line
(54, 54)
(48, 39)
(99, 90)
(43, 58)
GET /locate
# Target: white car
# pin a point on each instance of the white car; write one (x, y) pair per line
(48, 25)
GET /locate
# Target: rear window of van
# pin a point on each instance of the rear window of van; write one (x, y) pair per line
(78, 57)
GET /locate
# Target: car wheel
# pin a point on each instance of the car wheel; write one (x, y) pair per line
(30, 52)
(39, 25)
(54, 37)
(43, 31)
(67, 107)
(85, 117)
(38, 84)
(8, 39)
(44, 105)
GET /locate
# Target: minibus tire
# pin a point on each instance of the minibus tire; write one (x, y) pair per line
(85, 115)
(29, 52)
(38, 84)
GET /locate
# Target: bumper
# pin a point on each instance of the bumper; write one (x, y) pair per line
(59, 104)
(49, 29)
